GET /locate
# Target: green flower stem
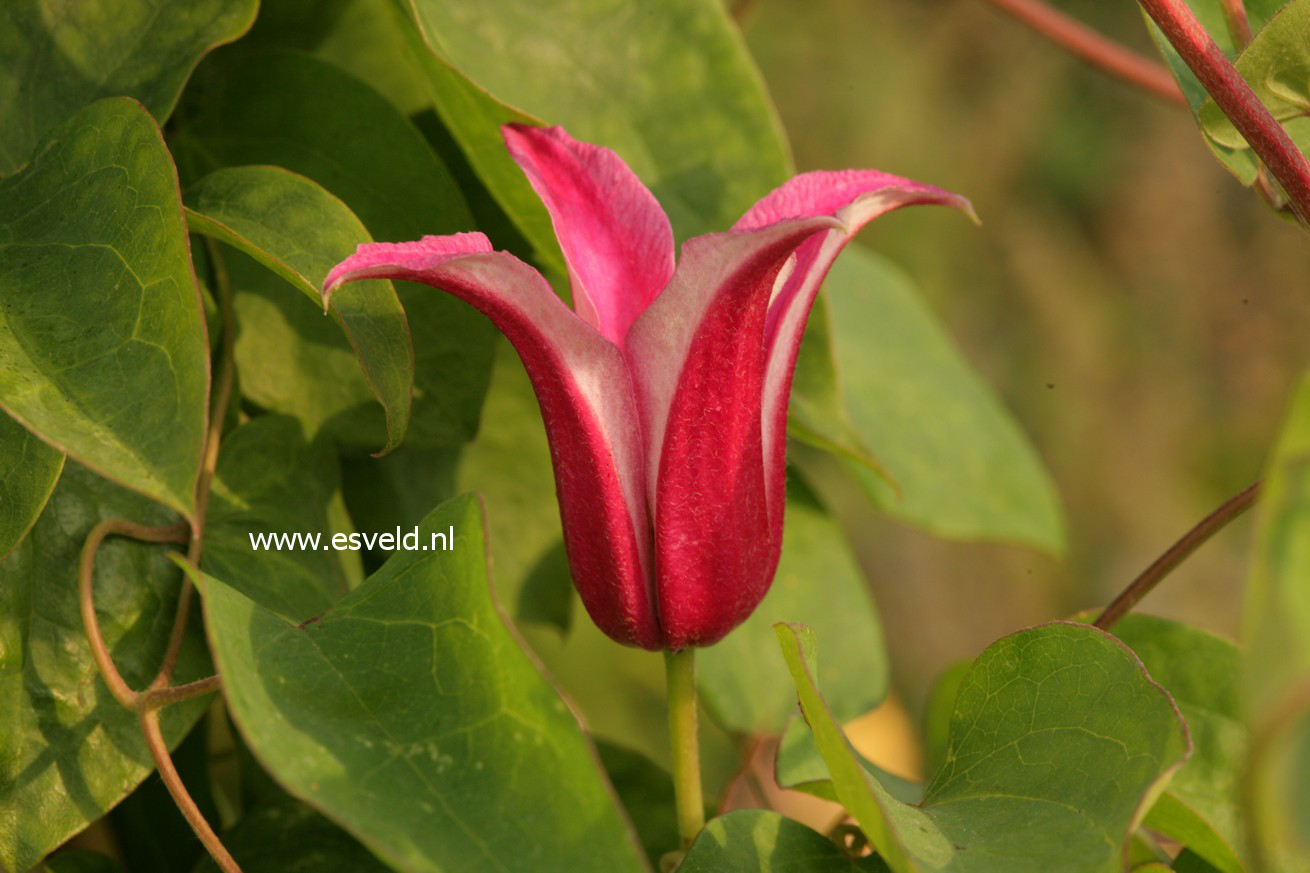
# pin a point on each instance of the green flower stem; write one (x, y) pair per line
(680, 669)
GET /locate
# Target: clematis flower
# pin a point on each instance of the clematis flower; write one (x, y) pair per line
(664, 391)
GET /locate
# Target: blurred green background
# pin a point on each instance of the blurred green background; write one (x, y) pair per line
(1142, 314)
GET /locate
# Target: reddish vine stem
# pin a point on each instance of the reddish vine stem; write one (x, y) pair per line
(222, 396)
(173, 782)
(1176, 554)
(1098, 50)
(1234, 96)
(86, 594)
(1239, 26)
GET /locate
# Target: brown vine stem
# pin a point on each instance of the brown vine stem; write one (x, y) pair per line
(1234, 96)
(1176, 554)
(86, 594)
(222, 396)
(1098, 50)
(159, 751)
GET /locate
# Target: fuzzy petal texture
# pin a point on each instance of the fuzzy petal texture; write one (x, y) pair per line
(616, 239)
(697, 357)
(588, 405)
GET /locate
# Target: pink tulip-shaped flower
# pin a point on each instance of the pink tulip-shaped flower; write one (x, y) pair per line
(664, 393)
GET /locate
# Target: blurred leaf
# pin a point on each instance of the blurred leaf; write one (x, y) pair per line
(1058, 740)
(410, 716)
(743, 680)
(509, 464)
(938, 713)
(270, 480)
(800, 766)
(1277, 633)
(1210, 13)
(911, 395)
(61, 56)
(70, 750)
(1199, 808)
(1277, 64)
(299, 231)
(29, 470)
(290, 837)
(94, 227)
(304, 114)
(367, 42)
(646, 791)
(817, 412)
(547, 593)
(759, 841)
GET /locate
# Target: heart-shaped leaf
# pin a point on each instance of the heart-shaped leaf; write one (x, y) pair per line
(411, 717)
(102, 340)
(1058, 741)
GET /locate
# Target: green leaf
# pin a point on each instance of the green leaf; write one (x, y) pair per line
(646, 791)
(299, 231)
(759, 841)
(70, 750)
(937, 715)
(409, 715)
(61, 56)
(547, 593)
(911, 394)
(298, 112)
(1277, 64)
(817, 413)
(799, 765)
(743, 679)
(291, 837)
(102, 341)
(293, 360)
(29, 470)
(1058, 743)
(702, 133)
(1276, 678)
(1200, 807)
(270, 480)
(366, 41)
(1210, 13)
(509, 464)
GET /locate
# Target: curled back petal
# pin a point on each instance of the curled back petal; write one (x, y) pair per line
(616, 239)
(587, 403)
(698, 362)
(854, 197)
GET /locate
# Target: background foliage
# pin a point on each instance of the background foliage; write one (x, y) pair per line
(1001, 440)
